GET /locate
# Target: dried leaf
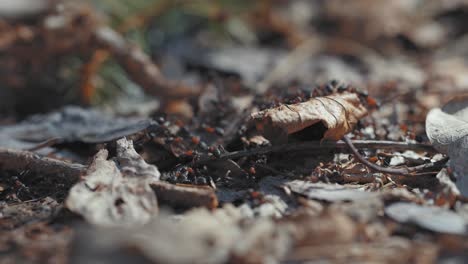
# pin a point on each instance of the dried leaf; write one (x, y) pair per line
(447, 129)
(338, 113)
(329, 192)
(70, 124)
(116, 195)
(432, 218)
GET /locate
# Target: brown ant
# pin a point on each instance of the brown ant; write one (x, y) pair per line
(335, 86)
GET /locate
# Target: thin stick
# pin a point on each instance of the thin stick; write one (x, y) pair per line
(399, 171)
(317, 145)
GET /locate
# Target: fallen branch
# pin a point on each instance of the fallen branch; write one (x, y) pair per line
(319, 146)
(397, 171)
(167, 194)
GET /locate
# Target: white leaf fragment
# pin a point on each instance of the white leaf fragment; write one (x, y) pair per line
(432, 218)
(447, 129)
(109, 195)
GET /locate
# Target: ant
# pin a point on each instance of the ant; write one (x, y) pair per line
(336, 86)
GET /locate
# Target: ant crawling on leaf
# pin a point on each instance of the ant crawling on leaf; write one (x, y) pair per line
(335, 86)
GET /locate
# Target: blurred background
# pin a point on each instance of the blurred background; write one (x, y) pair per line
(408, 50)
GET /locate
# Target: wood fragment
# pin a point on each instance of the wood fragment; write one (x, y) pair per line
(167, 194)
(176, 196)
(17, 160)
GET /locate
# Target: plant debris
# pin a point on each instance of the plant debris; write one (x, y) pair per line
(337, 114)
(116, 192)
(447, 128)
(233, 131)
(432, 218)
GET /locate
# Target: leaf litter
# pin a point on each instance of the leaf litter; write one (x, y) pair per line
(116, 192)
(447, 129)
(249, 157)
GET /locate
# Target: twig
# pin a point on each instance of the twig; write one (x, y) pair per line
(167, 194)
(17, 160)
(399, 171)
(317, 145)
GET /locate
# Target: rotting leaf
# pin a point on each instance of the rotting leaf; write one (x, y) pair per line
(328, 117)
(116, 195)
(447, 129)
(432, 218)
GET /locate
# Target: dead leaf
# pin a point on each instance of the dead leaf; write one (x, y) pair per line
(70, 124)
(432, 218)
(112, 194)
(329, 192)
(447, 129)
(328, 117)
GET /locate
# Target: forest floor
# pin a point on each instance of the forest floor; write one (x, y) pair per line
(205, 132)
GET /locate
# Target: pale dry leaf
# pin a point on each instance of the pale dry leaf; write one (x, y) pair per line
(329, 192)
(111, 195)
(432, 218)
(338, 113)
(447, 129)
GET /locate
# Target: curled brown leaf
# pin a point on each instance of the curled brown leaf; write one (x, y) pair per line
(328, 117)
